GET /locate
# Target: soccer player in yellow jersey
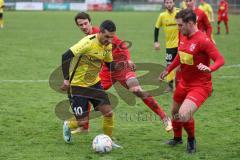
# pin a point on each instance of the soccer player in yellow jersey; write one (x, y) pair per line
(207, 8)
(183, 5)
(1, 13)
(81, 65)
(167, 21)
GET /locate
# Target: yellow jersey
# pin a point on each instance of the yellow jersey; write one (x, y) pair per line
(1, 6)
(207, 10)
(92, 54)
(168, 22)
(183, 5)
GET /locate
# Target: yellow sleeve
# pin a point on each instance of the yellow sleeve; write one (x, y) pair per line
(210, 9)
(108, 57)
(81, 47)
(1, 3)
(159, 21)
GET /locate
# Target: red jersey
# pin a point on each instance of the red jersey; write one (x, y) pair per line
(95, 30)
(223, 8)
(120, 52)
(203, 23)
(192, 51)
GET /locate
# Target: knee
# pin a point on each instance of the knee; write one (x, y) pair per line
(106, 110)
(138, 91)
(175, 115)
(184, 116)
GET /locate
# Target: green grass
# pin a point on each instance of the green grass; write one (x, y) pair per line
(31, 45)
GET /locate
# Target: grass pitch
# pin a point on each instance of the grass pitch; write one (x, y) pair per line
(31, 45)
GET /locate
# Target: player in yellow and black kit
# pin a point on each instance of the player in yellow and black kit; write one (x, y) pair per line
(81, 65)
(167, 21)
(1, 13)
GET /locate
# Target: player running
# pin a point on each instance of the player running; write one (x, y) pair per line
(223, 15)
(126, 77)
(203, 23)
(167, 21)
(195, 51)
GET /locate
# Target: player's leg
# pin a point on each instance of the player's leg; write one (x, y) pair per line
(101, 102)
(73, 123)
(106, 83)
(134, 86)
(218, 24)
(226, 25)
(186, 111)
(1, 20)
(170, 55)
(177, 125)
(79, 107)
(179, 95)
(195, 98)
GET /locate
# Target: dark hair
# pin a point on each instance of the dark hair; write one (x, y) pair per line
(165, 1)
(82, 15)
(108, 25)
(187, 15)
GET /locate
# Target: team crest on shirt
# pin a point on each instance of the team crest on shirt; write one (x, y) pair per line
(192, 47)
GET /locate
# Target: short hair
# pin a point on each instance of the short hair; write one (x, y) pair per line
(107, 25)
(165, 1)
(82, 15)
(187, 15)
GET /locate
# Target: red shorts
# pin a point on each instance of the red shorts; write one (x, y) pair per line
(222, 18)
(196, 94)
(108, 79)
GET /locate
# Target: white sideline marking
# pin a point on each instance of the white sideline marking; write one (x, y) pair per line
(232, 66)
(46, 80)
(22, 81)
(229, 77)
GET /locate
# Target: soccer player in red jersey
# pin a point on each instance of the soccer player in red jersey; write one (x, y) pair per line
(223, 15)
(203, 23)
(126, 77)
(195, 51)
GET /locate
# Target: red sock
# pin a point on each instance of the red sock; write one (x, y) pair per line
(190, 128)
(155, 107)
(177, 128)
(86, 125)
(218, 28)
(226, 26)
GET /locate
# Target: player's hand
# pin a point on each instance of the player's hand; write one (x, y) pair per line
(203, 68)
(132, 65)
(65, 86)
(156, 45)
(120, 66)
(163, 75)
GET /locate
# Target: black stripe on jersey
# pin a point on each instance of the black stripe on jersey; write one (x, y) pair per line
(93, 37)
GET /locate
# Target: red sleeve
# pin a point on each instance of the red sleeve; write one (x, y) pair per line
(125, 50)
(174, 64)
(207, 25)
(226, 11)
(119, 47)
(211, 50)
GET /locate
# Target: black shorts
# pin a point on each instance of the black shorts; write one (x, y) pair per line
(171, 54)
(1, 15)
(81, 96)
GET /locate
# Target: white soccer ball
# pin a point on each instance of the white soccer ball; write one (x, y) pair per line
(102, 144)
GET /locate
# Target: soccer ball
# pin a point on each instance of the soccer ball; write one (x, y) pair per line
(102, 144)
